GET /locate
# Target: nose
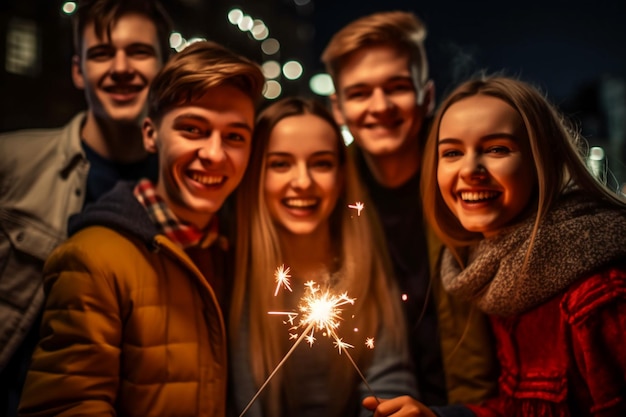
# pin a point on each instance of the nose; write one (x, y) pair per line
(473, 169)
(301, 177)
(121, 69)
(379, 101)
(211, 150)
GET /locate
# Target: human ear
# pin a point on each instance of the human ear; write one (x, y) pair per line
(427, 97)
(77, 73)
(336, 108)
(149, 131)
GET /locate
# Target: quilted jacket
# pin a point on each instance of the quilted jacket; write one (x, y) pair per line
(131, 326)
(565, 357)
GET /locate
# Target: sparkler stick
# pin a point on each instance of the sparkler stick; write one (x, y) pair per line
(342, 346)
(267, 381)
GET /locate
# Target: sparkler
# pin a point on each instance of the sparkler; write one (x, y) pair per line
(320, 310)
(358, 206)
(282, 278)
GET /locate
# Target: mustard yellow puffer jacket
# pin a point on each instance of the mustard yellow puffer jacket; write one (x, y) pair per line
(129, 329)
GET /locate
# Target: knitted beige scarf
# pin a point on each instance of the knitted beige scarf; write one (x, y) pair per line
(575, 239)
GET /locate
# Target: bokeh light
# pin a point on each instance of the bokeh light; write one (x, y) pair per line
(322, 84)
(235, 16)
(245, 24)
(348, 139)
(271, 69)
(272, 89)
(176, 40)
(270, 46)
(69, 7)
(292, 70)
(259, 30)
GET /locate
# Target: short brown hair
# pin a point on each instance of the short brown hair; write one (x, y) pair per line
(197, 68)
(104, 14)
(401, 30)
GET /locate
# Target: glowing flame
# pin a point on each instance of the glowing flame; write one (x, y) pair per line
(321, 308)
(282, 278)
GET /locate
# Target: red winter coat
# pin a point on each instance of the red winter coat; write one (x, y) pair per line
(566, 357)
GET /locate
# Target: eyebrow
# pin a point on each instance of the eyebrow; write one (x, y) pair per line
(491, 136)
(392, 79)
(184, 116)
(319, 153)
(131, 45)
(241, 125)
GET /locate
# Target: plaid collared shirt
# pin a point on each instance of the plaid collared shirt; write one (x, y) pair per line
(183, 234)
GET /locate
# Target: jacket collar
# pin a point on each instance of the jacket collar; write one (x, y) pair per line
(70, 143)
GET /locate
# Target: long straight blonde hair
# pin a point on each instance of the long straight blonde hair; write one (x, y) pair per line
(362, 272)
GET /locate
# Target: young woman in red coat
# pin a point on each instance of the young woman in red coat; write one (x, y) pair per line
(536, 242)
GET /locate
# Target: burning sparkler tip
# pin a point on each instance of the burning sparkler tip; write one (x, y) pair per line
(282, 278)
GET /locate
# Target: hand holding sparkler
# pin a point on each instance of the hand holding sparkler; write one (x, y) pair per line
(398, 406)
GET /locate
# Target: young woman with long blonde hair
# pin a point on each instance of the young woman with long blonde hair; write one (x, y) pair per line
(292, 210)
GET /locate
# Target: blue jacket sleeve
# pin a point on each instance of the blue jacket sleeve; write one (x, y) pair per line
(452, 411)
(390, 374)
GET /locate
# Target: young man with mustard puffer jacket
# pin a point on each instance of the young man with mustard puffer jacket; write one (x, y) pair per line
(133, 321)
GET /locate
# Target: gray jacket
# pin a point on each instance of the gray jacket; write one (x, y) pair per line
(43, 179)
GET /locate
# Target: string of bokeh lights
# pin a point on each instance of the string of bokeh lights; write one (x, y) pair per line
(320, 84)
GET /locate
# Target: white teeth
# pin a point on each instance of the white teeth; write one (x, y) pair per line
(478, 195)
(387, 126)
(300, 202)
(123, 89)
(384, 122)
(206, 180)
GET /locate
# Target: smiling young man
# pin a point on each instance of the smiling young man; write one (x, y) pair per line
(133, 321)
(46, 175)
(384, 97)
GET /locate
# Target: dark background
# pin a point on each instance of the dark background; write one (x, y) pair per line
(573, 50)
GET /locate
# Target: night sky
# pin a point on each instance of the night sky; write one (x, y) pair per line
(559, 45)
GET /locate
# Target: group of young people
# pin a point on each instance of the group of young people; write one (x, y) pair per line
(140, 243)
